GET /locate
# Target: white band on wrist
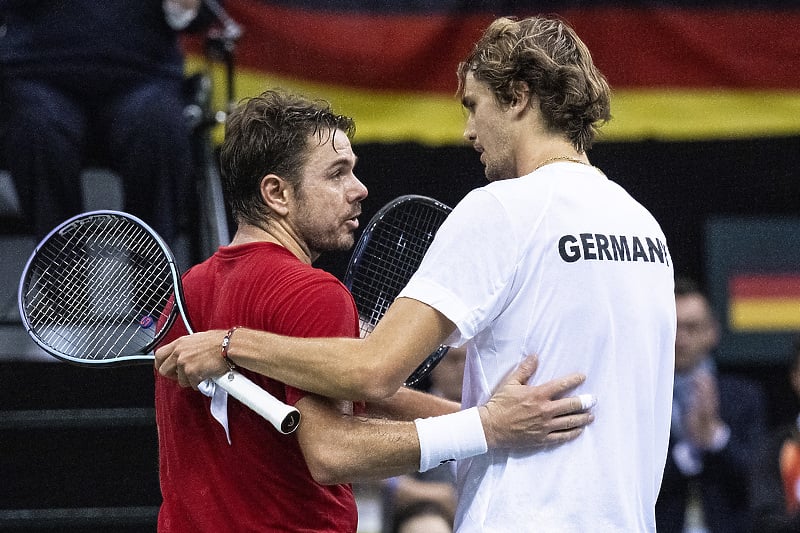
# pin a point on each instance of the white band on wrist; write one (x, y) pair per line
(450, 437)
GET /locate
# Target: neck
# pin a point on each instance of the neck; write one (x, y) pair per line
(548, 150)
(275, 232)
(567, 158)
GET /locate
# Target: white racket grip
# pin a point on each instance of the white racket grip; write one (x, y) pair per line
(284, 417)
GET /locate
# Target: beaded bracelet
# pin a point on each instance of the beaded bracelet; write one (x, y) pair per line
(226, 342)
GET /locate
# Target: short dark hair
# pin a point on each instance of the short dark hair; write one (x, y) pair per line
(269, 134)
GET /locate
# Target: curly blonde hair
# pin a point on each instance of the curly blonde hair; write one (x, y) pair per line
(573, 96)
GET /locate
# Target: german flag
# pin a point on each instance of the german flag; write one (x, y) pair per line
(725, 70)
(764, 302)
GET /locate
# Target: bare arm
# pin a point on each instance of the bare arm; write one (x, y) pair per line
(341, 448)
(371, 369)
(518, 416)
(409, 404)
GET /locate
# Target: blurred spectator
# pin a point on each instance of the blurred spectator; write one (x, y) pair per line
(775, 483)
(89, 80)
(717, 420)
(422, 517)
(436, 486)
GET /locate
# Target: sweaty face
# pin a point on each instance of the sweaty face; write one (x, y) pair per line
(487, 130)
(697, 332)
(328, 199)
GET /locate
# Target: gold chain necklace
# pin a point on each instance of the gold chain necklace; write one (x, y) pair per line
(558, 158)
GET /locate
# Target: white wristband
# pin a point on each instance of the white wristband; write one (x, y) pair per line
(450, 437)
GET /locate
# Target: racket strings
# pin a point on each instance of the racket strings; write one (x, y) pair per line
(99, 289)
(67, 261)
(124, 288)
(393, 251)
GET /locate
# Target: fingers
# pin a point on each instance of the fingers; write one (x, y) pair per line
(571, 422)
(525, 370)
(165, 364)
(559, 437)
(162, 353)
(165, 360)
(573, 404)
(566, 428)
(191, 359)
(182, 380)
(560, 386)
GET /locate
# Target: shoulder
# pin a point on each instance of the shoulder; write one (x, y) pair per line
(300, 299)
(306, 282)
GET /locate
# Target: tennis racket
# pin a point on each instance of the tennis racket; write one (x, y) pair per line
(103, 288)
(388, 253)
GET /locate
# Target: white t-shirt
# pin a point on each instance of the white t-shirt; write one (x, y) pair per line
(562, 263)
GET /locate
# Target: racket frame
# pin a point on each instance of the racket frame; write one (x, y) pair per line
(177, 308)
(284, 418)
(364, 241)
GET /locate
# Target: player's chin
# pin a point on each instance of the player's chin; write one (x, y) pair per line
(347, 241)
(341, 244)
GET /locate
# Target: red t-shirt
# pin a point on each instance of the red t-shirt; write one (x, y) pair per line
(260, 482)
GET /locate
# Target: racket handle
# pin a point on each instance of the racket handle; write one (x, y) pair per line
(284, 417)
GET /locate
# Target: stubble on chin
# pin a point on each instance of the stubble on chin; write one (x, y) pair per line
(332, 244)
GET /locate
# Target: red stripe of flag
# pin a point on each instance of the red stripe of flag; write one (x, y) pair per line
(780, 286)
(634, 47)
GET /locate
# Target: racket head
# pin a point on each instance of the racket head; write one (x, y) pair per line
(100, 288)
(387, 254)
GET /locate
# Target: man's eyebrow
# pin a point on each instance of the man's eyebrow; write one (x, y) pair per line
(343, 159)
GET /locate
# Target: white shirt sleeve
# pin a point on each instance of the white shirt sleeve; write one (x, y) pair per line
(466, 272)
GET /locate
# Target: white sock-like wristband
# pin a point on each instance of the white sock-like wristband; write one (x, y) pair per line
(450, 437)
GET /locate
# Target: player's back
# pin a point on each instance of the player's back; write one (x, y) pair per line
(591, 291)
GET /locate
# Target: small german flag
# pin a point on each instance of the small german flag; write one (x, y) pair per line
(764, 302)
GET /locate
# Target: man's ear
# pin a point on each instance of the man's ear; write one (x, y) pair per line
(276, 193)
(520, 96)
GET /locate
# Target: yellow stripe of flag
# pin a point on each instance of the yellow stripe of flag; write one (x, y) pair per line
(437, 119)
(764, 314)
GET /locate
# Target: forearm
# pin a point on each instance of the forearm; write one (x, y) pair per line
(333, 367)
(371, 369)
(341, 448)
(408, 404)
(375, 449)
